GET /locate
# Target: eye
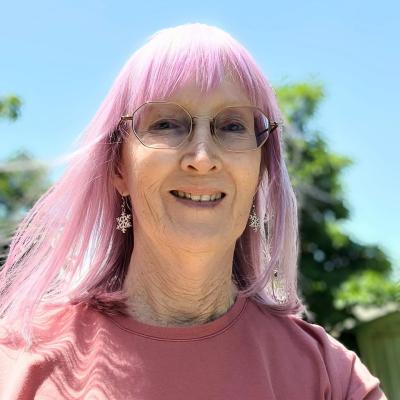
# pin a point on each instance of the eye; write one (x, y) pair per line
(233, 127)
(164, 124)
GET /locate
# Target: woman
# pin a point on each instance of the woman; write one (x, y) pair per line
(162, 265)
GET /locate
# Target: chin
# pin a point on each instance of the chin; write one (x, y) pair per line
(197, 241)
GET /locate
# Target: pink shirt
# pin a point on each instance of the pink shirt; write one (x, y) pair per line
(248, 353)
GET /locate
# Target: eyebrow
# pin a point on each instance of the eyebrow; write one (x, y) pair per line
(215, 109)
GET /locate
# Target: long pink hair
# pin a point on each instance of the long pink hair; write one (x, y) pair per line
(67, 250)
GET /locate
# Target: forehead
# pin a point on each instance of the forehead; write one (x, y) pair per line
(199, 102)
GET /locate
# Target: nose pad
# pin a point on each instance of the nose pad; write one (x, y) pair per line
(210, 133)
(203, 136)
(201, 154)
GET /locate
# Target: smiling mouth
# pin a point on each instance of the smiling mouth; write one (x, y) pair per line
(199, 198)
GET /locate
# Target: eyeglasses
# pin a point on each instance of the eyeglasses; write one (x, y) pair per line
(167, 125)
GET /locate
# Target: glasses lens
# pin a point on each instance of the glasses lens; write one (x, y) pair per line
(241, 128)
(161, 125)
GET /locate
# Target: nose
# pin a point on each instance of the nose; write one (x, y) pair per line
(201, 154)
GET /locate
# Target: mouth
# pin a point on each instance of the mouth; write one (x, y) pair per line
(202, 198)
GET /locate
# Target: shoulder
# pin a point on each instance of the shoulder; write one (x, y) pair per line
(57, 339)
(52, 325)
(300, 333)
(292, 327)
(307, 341)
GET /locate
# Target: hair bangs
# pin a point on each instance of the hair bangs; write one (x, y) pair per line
(172, 59)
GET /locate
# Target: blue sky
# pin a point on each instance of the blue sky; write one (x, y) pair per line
(62, 57)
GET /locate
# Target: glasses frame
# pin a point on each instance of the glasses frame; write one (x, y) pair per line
(272, 125)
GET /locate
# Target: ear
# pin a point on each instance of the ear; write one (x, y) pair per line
(119, 181)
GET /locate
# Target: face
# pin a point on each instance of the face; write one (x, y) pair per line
(201, 167)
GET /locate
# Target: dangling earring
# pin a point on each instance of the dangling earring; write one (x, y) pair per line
(124, 220)
(277, 289)
(254, 220)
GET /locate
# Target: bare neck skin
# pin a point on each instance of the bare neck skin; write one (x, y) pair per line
(167, 287)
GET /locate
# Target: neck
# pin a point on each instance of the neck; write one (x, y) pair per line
(167, 287)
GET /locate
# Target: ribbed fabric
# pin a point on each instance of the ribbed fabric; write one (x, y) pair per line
(198, 332)
(247, 353)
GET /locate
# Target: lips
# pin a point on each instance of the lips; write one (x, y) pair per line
(205, 196)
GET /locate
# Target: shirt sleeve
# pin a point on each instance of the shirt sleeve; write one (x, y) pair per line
(350, 379)
(362, 384)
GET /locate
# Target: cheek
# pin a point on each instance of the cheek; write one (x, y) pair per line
(146, 172)
(143, 182)
(144, 189)
(250, 173)
(246, 185)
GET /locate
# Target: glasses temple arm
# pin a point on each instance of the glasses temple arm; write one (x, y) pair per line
(273, 126)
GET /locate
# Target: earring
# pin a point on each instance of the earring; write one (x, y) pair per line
(124, 220)
(278, 289)
(254, 220)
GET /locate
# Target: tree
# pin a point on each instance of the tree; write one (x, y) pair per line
(10, 107)
(330, 261)
(22, 181)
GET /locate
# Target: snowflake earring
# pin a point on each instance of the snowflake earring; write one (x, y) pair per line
(124, 220)
(254, 220)
(278, 289)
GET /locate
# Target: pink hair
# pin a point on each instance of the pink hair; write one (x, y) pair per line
(50, 262)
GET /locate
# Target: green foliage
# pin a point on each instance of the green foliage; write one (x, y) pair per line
(22, 181)
(329, 258)
(10, 107)
(299, 102)
(369, 288)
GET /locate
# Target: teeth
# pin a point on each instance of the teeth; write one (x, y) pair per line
(203, 197)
